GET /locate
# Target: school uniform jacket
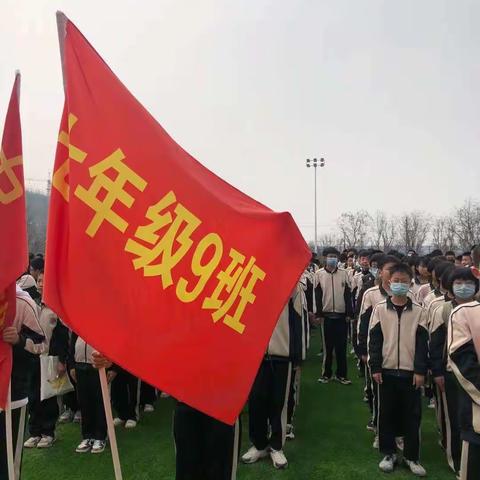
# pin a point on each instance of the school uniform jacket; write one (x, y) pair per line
(431, 297)
(423, 291)
(398, 342)
(438, 346)
(464, 354)
(332, 293)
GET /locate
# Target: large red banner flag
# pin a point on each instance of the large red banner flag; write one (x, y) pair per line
(13, 237)
(154, 260)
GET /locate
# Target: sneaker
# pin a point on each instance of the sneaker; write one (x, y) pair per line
(77, 418)
(46, 441)
(371, 426)
(253, 455)
(66, 416)
(148, 408)
(85, 446)
(376, 443)
(388, 463)
(278, 458)
(130, 424)
(416, 468)
(324, 379)
(118, 422)
(431, 403)
(352, 351)
(290, 435)
(343, 381)
(365, 399)
(98, 446)
(164, 395)
(400, 443)
(32, 442)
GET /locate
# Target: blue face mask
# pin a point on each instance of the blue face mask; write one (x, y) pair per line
(374, 271)
(399, 289)
(464, 291)
(332, 262)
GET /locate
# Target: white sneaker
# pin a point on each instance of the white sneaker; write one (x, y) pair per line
(253, 455)
(416, 468)
(46, 442)
(164, 395)
(388, 463)
(98, 446)
(290, 435)
(77, 418)
(130, 424)
(32, 442)
(376, 443)
(84, 446)
(400, 443)
(324, 379)
(148, 408)
(66, 416)
(278, 458)
(431, 403)
(118, 422)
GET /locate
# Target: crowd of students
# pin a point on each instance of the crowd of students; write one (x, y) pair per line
(414, 326)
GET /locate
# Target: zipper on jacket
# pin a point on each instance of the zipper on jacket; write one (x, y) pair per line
(333, 293)
(398, 341)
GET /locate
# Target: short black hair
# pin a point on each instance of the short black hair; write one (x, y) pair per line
(377, 257)
(450, 253)
(459, 258)
(364, 253)
(422, 261)
(410, 261)
(462, 273)
(330, 251)
(401, 268)
(435, 253)
(446, 274)
(467, 254)
(440, 268)
(343, 257)
(388, 259)
(38, 263)
(395, 253)
(433, 262)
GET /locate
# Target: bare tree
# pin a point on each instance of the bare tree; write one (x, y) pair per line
(383, 232)
(327, 240)
(443, 233)
(467, 222)
(354, 228)
(37, 208)
(413, 229)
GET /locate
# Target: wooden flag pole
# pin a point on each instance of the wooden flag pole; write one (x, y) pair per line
(111, 428)
(8, 431)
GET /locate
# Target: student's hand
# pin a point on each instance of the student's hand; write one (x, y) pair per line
(10, 335)
(100, 361)
(365, 359)
(378, 378)
(418, 381)
(61, 369)
(440, 382)
(111, 376)
(73, 374)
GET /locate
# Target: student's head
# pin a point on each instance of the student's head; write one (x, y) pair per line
(400, 279)
(445, 275)
(364, 258)
(36, 266)
(450, 256)
(412, 263)
(467, 259)
(438, 271)
(422, 267)
(385, 264)
(463, 285)
(343, 257)
(331, 255)
(352, 251)
(351, 261)
(411, 253)
(375, 260)
(40, 283)
(458, 261)
(395, 253)
(435, 253)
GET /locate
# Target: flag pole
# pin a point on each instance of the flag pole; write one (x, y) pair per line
(110, 427)
(8, 431)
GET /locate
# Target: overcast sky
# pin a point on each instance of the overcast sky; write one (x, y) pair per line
(387, 91)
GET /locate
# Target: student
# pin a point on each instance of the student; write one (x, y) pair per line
(126, 398)
(458, 261)
(28, 284)
(467, 259)
(438, 270)
(464, 358)
(36, 267)
(44, 414)
(94, 425)
(148, 397)
(268, 402)
(397, 356)
(462, 286)
(334, 307)
(422, 279)
(24, 336)
(450, 256)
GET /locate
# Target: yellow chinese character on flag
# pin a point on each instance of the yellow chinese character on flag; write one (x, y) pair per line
(114, 191)
(238, 281)
(6, 168)
(165, 250)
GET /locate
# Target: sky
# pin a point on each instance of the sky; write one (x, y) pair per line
(386, 91)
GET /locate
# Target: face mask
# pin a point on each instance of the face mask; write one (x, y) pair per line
(464, 291)
(332, 262)
(374, 271)
(399, 289)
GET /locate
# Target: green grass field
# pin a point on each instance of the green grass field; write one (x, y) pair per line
(331, 442)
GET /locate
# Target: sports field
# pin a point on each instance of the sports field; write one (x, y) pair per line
(331, 442)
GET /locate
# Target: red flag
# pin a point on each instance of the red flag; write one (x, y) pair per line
(13, 240)
(151, 258)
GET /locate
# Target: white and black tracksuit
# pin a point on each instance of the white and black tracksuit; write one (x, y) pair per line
(448, 401)
(30, 335)
(268, 402)
(398, 348)
(334, 305)
(464, 359)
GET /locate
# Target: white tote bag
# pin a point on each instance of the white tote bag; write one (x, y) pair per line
(52, 384)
